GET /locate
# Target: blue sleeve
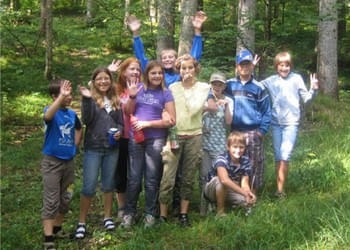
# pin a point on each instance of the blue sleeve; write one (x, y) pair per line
(265, 110)
(139, 52)
(197, 47)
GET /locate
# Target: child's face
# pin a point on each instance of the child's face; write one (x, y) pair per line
(236, 151)
(283, 69)
(155, 77)
(102, 82)
(218, 87)
(245, 69)
(132, 72)
(168, 59)
(187, 70)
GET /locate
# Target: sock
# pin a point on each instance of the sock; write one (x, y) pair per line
(49, 238)
(56, 229)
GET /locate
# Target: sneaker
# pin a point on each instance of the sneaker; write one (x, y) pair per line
(81, 231)
(248, 211)
(49, 245)
(128, 221)
(108, 224)
(149, 221)
(184, 221)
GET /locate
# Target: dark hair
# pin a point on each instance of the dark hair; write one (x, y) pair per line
(55, 87)
(99, 70)
(152, 64)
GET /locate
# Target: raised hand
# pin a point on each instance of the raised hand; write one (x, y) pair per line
(66, 88)
(114, 66)
(133, 23)
(132, 87)
(256, 60)
(199, 19)
(84, 92)
(313, 81)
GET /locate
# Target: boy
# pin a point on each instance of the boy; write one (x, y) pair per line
(62, 136)
(228, 179)
(214, 130)
(252, 113)
(168, 56)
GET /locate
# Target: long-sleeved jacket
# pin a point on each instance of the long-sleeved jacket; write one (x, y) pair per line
(98, 122)
(170, 75)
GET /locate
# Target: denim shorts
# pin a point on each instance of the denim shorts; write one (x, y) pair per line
(96, 160)
(283, 140)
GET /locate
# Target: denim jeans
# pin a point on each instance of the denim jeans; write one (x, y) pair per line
(145, 161)
(94, 160)
(283, 140)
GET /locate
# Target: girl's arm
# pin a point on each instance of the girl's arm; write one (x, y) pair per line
(133, 90)
(87, 105)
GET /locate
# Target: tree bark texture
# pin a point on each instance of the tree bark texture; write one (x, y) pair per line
(327, 57)
(90, 11)
(126, 14)
(188, 10)
(48, 35)
(166, 25)
(246, 29)
(42, 16)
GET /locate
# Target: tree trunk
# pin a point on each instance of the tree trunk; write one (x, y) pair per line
(246, 29)
(327, 68)
(48, 32)
(90, 11)
(15, 5)
(188, 10)
(343, 11)
(153, 11)
(126, 14)
(42, 16)
(166, 25)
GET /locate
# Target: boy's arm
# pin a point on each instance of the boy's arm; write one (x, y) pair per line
(197, 44)
(307, 96)
(65, 90)
(228, 111)
(227, 182)
(265, 110)
(78, 132)
(251, 198)
(139, 51)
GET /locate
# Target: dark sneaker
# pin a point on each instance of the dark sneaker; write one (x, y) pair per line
(184, 221)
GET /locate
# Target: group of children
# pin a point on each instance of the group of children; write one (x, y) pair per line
(126, 135)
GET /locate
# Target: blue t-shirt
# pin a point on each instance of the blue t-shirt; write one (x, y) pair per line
(235, 171)
(60, 134)
(149, 106)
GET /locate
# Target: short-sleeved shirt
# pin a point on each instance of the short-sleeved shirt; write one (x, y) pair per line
(235, 171)
(60, 134)
(149, 106)
(214, 128)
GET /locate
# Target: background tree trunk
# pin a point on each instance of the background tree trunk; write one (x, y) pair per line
(327, 67)
(48, 32)
(153, 11)
(91, 10)
(126, 14)
(42, 16)
(166, 25)
(246, 29)
(188, 9)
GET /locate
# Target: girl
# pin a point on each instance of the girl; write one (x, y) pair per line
(190, 96)
(147, 102)
(100, 112)
(129, 70)
(286, 88)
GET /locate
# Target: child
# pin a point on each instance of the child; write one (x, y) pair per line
(147, 102)
(286, 88)
(214, 130)
(168, 56)
(190, 96)
(228, 179)
(62, 137)
(100, 112)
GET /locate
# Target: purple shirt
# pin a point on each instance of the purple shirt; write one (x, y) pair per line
(149, 106)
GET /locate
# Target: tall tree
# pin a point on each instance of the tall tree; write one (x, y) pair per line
(327, 57)
(42, 16)
(166, 26)
(188, 10)
(246, 29)
(126, 14)
(48, 35)
(91, 9)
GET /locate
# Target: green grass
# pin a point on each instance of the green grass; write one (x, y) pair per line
(316, 214)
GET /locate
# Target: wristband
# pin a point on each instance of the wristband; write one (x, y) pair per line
(132, 96)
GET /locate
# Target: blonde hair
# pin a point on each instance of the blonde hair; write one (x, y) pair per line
(187, 57)
(168, 50)
(150, 66)
(237, 138)
(283, 57)
(111, 93)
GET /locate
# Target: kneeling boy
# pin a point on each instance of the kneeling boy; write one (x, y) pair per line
(228, 179)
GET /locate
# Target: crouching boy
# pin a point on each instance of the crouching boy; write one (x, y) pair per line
(62, 136)
(228, 179)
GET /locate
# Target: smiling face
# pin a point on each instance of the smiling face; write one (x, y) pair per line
(155, 77)
(132, 72)
(102, 82)
(236, 151)
(283, 69)
(168, 59)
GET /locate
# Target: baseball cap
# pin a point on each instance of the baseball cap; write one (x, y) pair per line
(244, 55)
(218, 77)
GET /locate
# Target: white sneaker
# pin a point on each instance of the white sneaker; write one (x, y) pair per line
(128, 221)
(149, 220)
